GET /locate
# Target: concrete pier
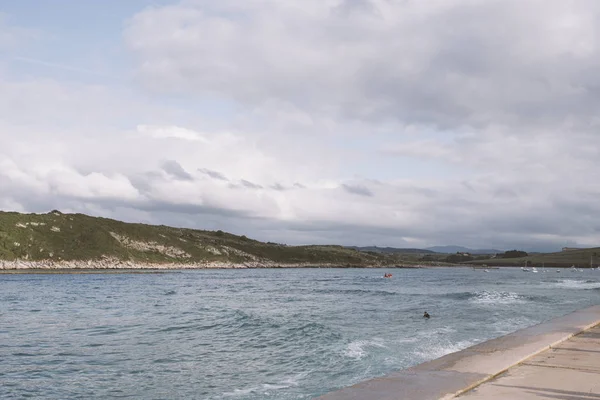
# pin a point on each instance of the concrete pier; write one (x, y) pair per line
(570, 370)
(559, 359)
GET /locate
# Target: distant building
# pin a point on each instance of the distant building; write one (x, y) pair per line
(571, 248)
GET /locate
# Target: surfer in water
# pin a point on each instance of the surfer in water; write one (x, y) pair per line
(426, 315)
(387, 275)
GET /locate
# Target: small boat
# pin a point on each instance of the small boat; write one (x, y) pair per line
(534, 270)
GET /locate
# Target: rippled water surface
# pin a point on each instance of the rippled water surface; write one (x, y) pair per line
(256, 334)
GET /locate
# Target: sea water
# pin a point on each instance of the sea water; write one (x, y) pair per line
(256, 333)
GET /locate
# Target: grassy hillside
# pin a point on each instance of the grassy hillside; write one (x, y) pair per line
(563, 259)
(56, 236)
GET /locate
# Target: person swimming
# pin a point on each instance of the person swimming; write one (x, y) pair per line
(426, 315)
(387, 275)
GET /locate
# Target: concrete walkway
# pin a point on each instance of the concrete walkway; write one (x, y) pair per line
(570, 371)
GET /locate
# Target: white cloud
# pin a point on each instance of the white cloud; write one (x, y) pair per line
(314, 121)
(63, 181)
(173, 132)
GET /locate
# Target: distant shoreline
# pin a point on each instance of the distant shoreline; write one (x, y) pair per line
(59, 271)
(112, 266)
(116, 266)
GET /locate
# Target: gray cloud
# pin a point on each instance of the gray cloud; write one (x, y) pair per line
(250, 185)
(213, 174)
(193, 209)
(404, 63)
(357, 189)
(173, 168)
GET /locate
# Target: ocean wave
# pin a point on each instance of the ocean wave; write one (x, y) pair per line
(490, 297)
(578, 284)
(435, 343)
(265, 388)
(358, 349)
(310, 328)
(508, 325)
(356, 292)
(280, 331)
(243, 319)
(242, 392)
(439, 349)
(442, 330)
(494, 297)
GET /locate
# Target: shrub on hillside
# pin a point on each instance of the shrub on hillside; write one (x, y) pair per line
(514, 254)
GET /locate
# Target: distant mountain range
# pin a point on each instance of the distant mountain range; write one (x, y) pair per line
(428, 250)
(391, 250)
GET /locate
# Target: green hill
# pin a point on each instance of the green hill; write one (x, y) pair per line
(60, 237)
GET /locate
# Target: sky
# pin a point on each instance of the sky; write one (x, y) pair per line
(402, 123)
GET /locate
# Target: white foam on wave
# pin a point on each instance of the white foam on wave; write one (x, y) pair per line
(440, 349)
(358, 349)
(266, 387)
(241, 392)
(509, 325)
(294, 380)
(578, 284)
(429, 336)
(434, 344)
(494, 297)
(441, 330)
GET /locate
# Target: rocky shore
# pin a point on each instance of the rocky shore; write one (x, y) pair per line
(115, 264)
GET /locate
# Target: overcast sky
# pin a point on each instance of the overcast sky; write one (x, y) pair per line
(403, 123)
